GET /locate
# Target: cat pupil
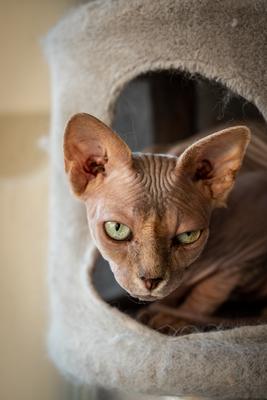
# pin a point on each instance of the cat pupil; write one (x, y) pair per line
(117, 226)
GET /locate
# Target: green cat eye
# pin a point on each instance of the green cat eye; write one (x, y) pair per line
(117, 231)
(188, 237)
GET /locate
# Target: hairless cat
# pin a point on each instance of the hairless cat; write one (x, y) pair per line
(161, 220)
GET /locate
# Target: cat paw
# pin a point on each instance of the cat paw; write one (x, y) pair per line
(164, 323)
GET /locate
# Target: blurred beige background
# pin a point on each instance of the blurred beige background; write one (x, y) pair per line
(25, 371)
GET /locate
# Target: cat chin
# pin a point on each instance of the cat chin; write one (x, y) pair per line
(147, 298)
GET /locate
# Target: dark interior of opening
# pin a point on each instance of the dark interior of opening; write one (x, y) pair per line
(161, 108)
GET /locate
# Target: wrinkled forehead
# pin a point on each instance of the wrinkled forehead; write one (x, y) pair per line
(151, 190)
(155, 176)
(143, 188)
(161, 187)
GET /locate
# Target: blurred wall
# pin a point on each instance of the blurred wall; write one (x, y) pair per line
(26, 372)
(24, 78)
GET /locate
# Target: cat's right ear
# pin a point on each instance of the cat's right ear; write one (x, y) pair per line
(91, 152)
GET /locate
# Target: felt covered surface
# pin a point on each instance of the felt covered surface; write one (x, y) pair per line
(93, 52)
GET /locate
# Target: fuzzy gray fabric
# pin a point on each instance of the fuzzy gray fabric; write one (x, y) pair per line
(93, 53)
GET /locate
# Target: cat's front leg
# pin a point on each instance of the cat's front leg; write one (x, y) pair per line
(208, 295)
(164, 319)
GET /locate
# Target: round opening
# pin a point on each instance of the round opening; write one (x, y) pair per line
(159, 108)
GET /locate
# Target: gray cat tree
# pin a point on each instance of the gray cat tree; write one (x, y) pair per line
(93, 53)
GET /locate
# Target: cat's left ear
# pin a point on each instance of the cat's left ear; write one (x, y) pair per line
(92, 151)
(212, 162)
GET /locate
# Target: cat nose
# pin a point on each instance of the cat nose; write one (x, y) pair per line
(151, 283)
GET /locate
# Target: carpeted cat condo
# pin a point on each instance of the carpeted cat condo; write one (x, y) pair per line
(93, 53)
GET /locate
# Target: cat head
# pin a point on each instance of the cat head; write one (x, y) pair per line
(149, 214)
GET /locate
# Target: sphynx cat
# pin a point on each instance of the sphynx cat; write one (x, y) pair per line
(161, 220)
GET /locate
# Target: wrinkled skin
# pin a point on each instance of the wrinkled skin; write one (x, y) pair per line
(155, 213)
(157, 197)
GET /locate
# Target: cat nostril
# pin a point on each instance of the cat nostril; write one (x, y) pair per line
(151, 284)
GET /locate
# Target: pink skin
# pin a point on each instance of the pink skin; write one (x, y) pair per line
(156, 196)
(129, 260)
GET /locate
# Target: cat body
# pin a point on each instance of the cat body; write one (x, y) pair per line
(160, 220)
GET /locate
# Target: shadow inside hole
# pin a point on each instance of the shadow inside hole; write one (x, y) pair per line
(166, 106)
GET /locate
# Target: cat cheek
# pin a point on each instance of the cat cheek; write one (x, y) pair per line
(124, 278)
(114, 268)
(120, 274)
(121, 279)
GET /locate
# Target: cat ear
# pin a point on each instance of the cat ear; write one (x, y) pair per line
(91, 151)
(212, 162)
